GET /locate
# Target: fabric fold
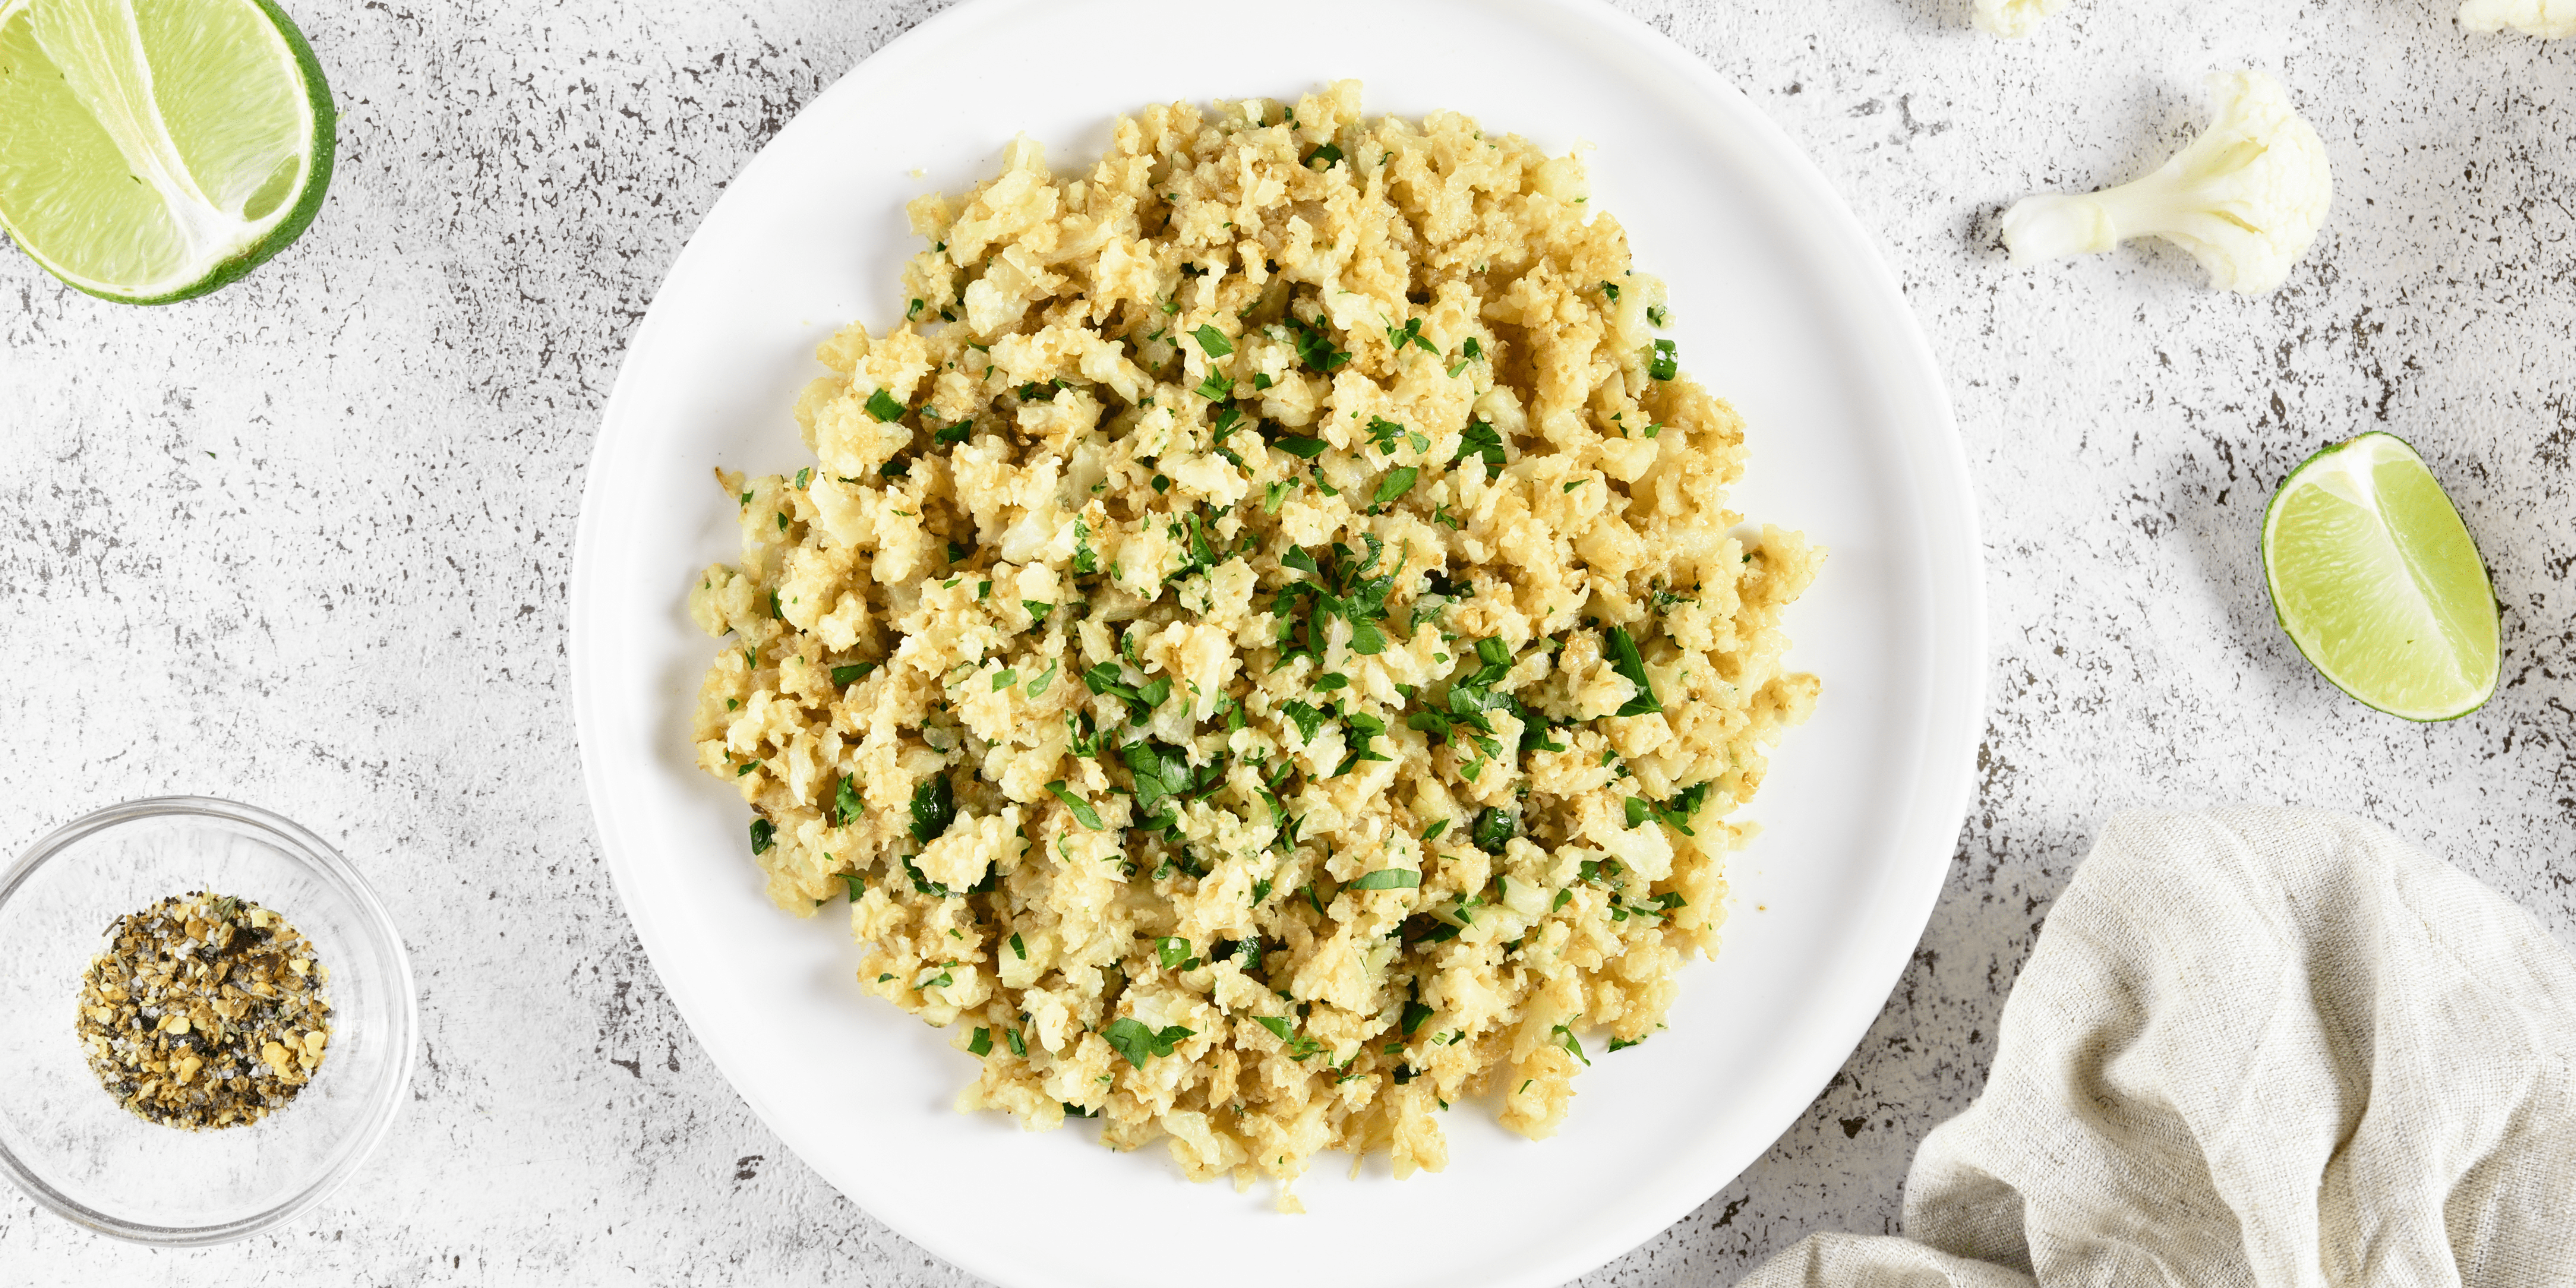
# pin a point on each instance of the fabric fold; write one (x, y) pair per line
(2255, 1046)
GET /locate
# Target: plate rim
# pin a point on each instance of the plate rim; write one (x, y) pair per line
(1955, 673)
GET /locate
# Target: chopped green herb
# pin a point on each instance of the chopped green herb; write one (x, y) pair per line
(804, 476)
(1328, 154)
(1172, 951)
(982, 1044)
(1655, 314)
(883, 406)
(1082, 811)
(1396, 483)
(1415, 1013)
(1005, 678)
(1432, 833)
(1626, 661)
(763, 835)
(1300, 446)
(857, 884)
(1215, 387)
(1564, 1037)
(1576, 484)
(1299, 1045)
(1212, 341)
(846, 676)
(1494, 827)
(1388, 879)
(934, 807)
(1481, 440)
(1018, 1047)
(846, 803)
(1315, 350)
(1666, 363)
(1045, 680)
(1131, 1038)
(1018, 949)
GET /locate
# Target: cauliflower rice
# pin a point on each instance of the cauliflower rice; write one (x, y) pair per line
(1260, 645)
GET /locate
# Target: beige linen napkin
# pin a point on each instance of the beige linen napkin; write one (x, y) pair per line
(2255, 1046)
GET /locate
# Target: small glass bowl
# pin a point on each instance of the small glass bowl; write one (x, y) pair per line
(67, 1143)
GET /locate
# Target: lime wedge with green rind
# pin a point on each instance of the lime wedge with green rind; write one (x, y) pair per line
(2377, 581)
(154, 150)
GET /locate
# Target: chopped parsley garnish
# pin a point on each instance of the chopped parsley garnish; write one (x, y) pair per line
(1655, 314)
(1388, 879)
(1328, 154)
(846, 676)
(1561, 1036)
(1045, 680)
(894, 469)
(1307, 718)
(1625, 660)
(883, 406)
(1410, 333)
(1300, 446)
(1415, 1014)
(1396, 483)
(1018, 949)
(1611, 289)
(1674, 813)
(982, 1044)
(1005, 678)
(846, 803)
(1215, 387)
(1085, 560)
(1576, 484)
(1174, 953)
(1332, 681)
(1315, 349)
(1018, 1048)
(1260, 891)
(1037, 610)
(1212, 342)
(858, 885)
(1129, 1037)
(1494, 826)
(763, 835)
(1622, 1044)
(1432, 833)
(1299, 1045)
(1082, 811)
(804, 476)
(934, 807)
(1666, 363)
(1481, 440)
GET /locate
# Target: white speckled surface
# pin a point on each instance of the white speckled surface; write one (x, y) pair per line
(304, 543)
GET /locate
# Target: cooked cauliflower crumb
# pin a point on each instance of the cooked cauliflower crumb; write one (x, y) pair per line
(2012, 18)
(1260, 644)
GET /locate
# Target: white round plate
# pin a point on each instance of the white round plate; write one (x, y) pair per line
(1780, 304)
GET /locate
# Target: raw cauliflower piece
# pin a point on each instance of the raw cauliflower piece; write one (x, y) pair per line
(2550, 18)
(2246, 198)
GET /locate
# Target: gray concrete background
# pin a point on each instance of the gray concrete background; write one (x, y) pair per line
(305, 543)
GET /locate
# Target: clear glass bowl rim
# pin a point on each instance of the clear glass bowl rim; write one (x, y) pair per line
(385, 1100)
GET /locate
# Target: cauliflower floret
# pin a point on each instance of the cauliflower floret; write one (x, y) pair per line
(2530, 17)
(2246, 198)
(2012, 18)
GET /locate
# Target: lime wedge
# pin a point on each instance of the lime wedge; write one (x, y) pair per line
(2376, 580)
(153, 150)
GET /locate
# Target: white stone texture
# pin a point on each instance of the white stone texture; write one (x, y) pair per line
(304, 543)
